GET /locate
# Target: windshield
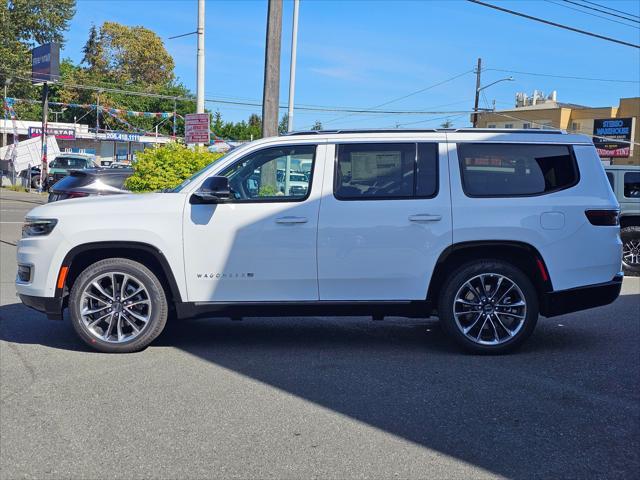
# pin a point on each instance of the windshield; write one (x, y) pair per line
(200, 172)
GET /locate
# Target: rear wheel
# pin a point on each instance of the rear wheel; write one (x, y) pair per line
(118, 305)
(488, 306)
(631, 250)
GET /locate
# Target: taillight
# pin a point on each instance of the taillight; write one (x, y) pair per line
(76, 194)
(606, 218)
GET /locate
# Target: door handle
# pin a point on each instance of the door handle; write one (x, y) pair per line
(290, 220)
(424, 217)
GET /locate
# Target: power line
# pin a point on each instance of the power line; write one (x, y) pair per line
(554, 24)
(561, 76)
(603, 11)
(404, 96)
(594, 14)
(610, 8)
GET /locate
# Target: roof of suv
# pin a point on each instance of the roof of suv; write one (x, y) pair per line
(458, 134)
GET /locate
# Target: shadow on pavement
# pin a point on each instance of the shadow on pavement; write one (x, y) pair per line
(559, 407)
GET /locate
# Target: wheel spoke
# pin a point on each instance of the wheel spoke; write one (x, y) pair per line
(125, 279)
(95, 310)
(465, 302)
(119, 327)
(139, 302)
(511, 315)
(481, 329)
(130, 322)
(97, 320)
(519, 303)
(473, 324)
(97, 286)
(495, 292)
(495, 330)
(509, 332)
(93, 297)
(137, 316)
(138, 290)
(109, 328)
(505, 294)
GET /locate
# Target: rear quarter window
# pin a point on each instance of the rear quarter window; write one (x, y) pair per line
(514, 170)
(611, 179)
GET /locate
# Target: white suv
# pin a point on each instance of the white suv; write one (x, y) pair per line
(485, 228)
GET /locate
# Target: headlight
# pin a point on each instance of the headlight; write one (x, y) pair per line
(38, 227)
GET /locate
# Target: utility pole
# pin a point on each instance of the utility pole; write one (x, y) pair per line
(5, 111)
(97, 113)
(271, 88)
(475, 105)
(43, 136)
(292, 71)
(175, 115)
(200, 68)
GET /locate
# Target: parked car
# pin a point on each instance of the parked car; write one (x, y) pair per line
(120, 165)
(485, 228)
(85, 183)
(35, 176)
(65, 162)
(625, 182)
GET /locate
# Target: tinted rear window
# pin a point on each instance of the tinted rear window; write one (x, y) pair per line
(71, 181)
(498, 170)
(632, 184)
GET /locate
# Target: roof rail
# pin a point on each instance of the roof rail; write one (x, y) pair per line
(356, 130)
(427, 130)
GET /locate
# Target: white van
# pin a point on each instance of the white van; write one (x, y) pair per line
(485, 228)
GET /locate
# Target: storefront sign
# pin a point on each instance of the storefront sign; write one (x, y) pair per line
(607, 131)
(123, 136)
(45, 63)
(59, 133)
(197, 128)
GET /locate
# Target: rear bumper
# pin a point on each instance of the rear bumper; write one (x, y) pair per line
(580, 298)
(52, 306)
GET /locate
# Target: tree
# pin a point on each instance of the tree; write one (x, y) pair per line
(93, 51)
(283, 126)
(130, 54)
(317, 125)
(25, 24)
(447, 124)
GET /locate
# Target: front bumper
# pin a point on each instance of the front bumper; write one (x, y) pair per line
(52, 306)
(580, 298)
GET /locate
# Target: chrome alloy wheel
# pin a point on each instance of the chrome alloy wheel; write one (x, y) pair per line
(631, 252)
(115, 307)
(490, 309)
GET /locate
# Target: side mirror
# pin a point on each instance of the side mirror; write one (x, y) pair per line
(213, 190)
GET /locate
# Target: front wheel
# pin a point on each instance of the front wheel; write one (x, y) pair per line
(488, 306)
(118, 305)
(631, 250)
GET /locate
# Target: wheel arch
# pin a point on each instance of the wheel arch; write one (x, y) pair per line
(522, 255)
(81, 256)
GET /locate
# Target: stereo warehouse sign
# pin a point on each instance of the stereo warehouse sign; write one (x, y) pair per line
(613, 129)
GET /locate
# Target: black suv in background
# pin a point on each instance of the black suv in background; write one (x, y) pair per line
(83, 183)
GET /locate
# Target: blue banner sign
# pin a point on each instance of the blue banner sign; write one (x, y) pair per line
(45, 63)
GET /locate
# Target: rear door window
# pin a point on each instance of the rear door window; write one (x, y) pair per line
(386, 171)
(513, 170)
(632, 184)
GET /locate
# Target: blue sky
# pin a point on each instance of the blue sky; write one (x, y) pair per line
(365, 53)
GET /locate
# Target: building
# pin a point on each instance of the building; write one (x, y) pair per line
(540, 111)
(109, 146)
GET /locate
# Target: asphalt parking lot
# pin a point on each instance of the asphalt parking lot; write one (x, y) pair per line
(316, 397)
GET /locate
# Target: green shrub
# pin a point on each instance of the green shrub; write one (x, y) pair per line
(167, 166)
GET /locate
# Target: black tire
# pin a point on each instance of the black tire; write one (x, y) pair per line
(629, 235)
(35, 182)
(156, 297)
(471, 271)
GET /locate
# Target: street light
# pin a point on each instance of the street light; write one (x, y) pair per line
(478, 90)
